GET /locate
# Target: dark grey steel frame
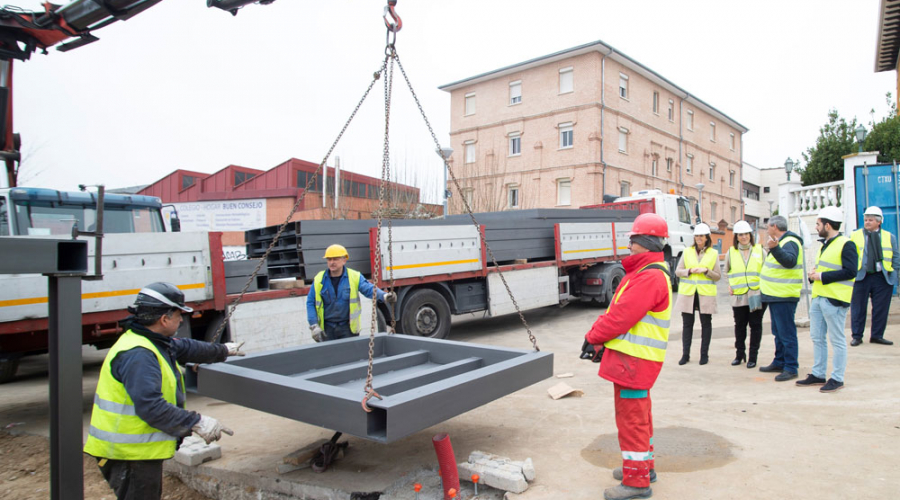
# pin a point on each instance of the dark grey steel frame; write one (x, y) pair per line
(317, 384)
(64, 262)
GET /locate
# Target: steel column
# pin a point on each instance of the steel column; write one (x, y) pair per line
(66, 459)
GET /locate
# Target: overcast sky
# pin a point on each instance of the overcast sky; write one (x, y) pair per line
(185, 86)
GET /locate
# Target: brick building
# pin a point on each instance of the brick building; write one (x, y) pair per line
(237, 198)
(564, 129)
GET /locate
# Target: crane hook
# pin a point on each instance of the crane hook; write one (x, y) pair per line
(392, 26)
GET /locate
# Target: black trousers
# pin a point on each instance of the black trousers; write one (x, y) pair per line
(687, 333)
(742, 318)
(134, 479)
(875, 286)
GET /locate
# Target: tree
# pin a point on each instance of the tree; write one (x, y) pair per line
(885, 135)
(824, 161)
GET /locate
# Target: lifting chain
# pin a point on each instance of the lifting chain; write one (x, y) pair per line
(309, 184)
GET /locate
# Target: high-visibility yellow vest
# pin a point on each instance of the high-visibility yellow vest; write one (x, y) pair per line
(830, 260)
(355, 308)
(779, 281)
(886, 249)
(741, 278)
(698, 282)
(648, 338)
(116, 431)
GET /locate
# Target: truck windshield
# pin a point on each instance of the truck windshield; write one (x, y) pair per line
(684, 211)
(38, 218)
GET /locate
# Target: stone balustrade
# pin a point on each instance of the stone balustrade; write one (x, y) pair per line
(808, 200)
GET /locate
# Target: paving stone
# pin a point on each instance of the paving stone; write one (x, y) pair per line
(194, 451)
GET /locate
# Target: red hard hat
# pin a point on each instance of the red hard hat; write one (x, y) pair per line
(651, 225)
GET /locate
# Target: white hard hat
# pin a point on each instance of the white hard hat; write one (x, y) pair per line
(742, 226)
(874, 211)
(831, 213)
(701, 229)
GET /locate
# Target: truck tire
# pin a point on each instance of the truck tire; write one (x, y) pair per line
(615, 277)
(673, 263)
(8, 368)
(425, 314)
(213, 327)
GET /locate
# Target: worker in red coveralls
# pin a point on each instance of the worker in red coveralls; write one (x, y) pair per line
(635, 331)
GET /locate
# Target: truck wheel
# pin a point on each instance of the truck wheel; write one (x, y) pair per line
(213, 327)
(615, 278)
(426, 314)
(8, 368)
(673, 263)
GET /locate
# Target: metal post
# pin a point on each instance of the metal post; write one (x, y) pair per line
(896, 182)
(445, 186)
(98, 231)
(66, 459)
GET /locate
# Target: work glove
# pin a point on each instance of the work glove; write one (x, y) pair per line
(234, 348)
(390, 297)
(210, 429)
(317, 334)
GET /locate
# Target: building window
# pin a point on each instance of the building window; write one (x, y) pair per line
(689, 163)
(470, 151)
(515, 144)
(240, 177)
(712, 210)
(304, 177)
(690, 120)
(470, 103)
(625, 189)
(187, 181)
(513, 196)
(564, 192)
(654, 166)
(712, 171)
(468, 195)
(623, 140)
(566, 135)
(712, 131)
(515, 92)
(732, 142)
(671, 110)
(566, 80)
(656, 102)
(731, 178)
(766, 189)
(669, 162)
(733, 215)
(623, 86)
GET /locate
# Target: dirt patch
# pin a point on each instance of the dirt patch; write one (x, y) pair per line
(676, 449)
(25, 473)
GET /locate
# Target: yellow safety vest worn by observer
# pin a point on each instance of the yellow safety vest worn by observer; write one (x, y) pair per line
(779, 281)
(355, 309)
(830, 260)
(698, 282)
(116, 431)
(741, 278)
(648, 338)
(886, 249)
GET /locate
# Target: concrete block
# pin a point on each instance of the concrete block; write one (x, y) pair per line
(194, 451)
(498, 472)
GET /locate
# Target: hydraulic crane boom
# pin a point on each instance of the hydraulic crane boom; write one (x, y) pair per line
(22, 32)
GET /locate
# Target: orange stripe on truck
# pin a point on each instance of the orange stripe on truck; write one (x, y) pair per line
(433, 264)
(87, 296)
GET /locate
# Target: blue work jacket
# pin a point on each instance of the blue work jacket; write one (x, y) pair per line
(337, 305)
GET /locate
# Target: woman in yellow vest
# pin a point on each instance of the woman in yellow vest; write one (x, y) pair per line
(698, 271)
(743, 267)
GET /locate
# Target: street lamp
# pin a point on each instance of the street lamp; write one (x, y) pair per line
(788, 166)
(700, 187)
(860, 136)
(445, 153)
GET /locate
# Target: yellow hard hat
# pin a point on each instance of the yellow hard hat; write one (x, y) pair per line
(336, 251)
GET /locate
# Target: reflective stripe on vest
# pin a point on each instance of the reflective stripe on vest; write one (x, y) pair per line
(648, 338)
(830, 260)
(779, 281)
(697, 282)
(741, 278)
(887, 250)
(116, 431)
(355, 309)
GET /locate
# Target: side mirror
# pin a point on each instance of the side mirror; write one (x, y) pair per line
(175, 223)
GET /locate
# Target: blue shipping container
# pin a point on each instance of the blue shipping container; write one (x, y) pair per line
(878, 188)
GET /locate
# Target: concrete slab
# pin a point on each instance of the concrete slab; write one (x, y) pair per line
(722, 431)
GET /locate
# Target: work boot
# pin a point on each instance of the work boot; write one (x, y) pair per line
(684, 359)
(618, 475)
(771, 368)
(622, 492)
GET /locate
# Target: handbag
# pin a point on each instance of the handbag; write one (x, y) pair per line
(755, 302)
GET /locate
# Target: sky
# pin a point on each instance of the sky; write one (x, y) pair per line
(183, 86)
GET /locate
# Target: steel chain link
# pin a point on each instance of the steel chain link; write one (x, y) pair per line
(531, 336)
(309, 183)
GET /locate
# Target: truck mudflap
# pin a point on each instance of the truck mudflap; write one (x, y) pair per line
(422, 382)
